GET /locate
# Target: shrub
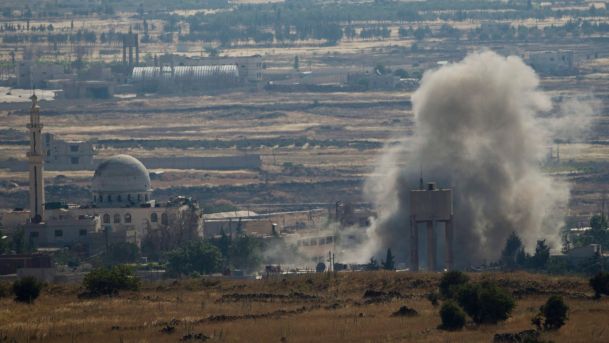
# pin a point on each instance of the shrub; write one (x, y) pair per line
(600, 284)
(433, 298)
(486, 302)
(198, 256)
(451, 282)
(453, 317)
(554, 311)
(5, 290)
(109, 281)
(27, 289)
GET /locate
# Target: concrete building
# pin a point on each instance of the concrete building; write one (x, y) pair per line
(67, 155)
(553, 62)
(31, 74)
(431, 206)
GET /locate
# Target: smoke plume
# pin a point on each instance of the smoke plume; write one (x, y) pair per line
(479, 131)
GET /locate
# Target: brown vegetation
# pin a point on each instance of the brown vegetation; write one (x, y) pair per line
(315, 307)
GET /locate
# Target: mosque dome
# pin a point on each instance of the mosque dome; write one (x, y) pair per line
(121, 180)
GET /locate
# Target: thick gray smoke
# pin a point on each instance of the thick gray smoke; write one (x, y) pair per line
(478, 131)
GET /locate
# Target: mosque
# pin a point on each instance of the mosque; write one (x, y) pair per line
(121, 208)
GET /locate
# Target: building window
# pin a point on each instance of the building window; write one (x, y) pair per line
(127, 218)
(74, 160)
(109, 198)
(119, 198)
(73, 148)
(106, 218)
(34, 234)
(129, 197)
(164, 220)
(146, 197)
(82, 232)
(154, 217)
(117, 218)
(101, 198)
(139, 197)
(58, 233)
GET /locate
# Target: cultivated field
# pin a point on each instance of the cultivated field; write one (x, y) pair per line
(305, 308)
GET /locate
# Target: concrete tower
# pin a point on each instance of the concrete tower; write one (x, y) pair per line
(35, 158)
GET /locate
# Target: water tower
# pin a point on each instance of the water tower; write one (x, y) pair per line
(431, 206)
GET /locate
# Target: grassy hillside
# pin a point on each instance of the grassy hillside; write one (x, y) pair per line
(306, 308)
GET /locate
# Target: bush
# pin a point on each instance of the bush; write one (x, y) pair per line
(486, 302)
(5, 290)
(600, 284)
(555, 313)
(451, 282)
(433, 298)
(198, 256)
(27, 289)
(453, 317)
(109, 281)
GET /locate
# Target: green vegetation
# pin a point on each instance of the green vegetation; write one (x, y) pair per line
(451, 282)
(27, 289)
(486, 302)
(453, 317)
(514, 257)
(200, 256)
(389, 262)
(552, 315)
(600, 284)
(109, 281)
(121, 253)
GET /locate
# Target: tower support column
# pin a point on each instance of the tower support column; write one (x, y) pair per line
(414, 245)
(431, 246)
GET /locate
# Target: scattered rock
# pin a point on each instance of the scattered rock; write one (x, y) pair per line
(194, 337)
(405, 311)
(168, 329)
(529, 336)
(373, 297)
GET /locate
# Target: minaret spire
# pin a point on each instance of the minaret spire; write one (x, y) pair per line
(35, 159)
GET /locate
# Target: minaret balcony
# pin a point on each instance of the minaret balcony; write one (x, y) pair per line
(34, 126)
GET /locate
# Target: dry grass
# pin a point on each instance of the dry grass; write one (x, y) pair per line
(335, 311)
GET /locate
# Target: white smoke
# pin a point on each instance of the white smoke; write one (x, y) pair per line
(482, 128)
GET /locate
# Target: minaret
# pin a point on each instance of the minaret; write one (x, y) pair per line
(35, 158)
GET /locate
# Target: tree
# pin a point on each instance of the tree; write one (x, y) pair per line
(198, 256)
(542, 256)
(600, 284)
(27, 289)
(553, 314)
(486, 302)
(389, 263)
(453, 317)
(296, 63)
(109, 281)
(245, 252)
(451, 282)
(121, 252)
(513, 248)
(373, 264)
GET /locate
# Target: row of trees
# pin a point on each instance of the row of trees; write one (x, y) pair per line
(487, 303)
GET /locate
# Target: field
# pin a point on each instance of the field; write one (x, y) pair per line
(316, 307)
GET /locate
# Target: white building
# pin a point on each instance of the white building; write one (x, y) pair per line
(121, 206)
